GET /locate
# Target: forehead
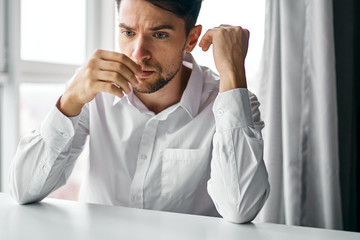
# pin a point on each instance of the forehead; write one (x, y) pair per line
(143, 14)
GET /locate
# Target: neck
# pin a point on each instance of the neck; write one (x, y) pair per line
(169, 95)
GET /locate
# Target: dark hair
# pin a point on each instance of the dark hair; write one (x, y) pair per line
(185, 9)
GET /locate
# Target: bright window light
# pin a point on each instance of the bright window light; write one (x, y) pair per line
(244, 13)
(36, 100)
(53, 31)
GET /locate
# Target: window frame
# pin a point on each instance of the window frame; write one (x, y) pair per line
(3, 78)
(1, 139)
(2, 42)
(99, 14)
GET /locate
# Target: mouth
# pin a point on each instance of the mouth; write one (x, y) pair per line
(145, 74)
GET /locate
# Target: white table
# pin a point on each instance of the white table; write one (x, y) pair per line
(59, 219)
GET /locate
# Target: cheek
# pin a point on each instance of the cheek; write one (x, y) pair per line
(171, 62)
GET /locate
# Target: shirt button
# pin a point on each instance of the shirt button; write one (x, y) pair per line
(63, 134)
(143, 156)
(220, 112)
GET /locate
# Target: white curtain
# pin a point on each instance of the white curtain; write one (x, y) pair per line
(298, 98)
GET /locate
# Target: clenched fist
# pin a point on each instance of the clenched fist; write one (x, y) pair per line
(230, 45)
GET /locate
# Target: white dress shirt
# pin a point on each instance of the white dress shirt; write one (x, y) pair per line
(202, 155)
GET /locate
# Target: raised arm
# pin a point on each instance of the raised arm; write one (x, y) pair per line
(239, 183)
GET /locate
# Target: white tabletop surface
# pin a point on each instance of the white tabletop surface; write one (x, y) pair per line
(59, 219)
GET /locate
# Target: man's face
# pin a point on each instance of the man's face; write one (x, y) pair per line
(153, 38)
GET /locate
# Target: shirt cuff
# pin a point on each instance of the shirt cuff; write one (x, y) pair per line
(57, 129)
(232, 109)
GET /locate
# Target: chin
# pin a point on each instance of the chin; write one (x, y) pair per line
(142, 87)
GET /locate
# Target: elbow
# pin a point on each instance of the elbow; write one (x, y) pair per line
(245, 211)
(231, 214)
(19, 194)
(15, 189)
(16, 196)
(238, 218)
(23, 199)
(234, 216)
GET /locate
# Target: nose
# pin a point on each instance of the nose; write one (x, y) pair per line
(141, 51)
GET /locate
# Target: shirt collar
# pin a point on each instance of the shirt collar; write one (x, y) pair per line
(190, 100)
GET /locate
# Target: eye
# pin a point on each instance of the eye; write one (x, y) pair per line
(128, 33)
(161, 35)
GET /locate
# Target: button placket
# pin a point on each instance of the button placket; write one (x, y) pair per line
(143, 163)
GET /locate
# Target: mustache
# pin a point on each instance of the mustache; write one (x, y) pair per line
(149, 66)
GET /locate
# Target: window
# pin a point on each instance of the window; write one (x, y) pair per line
(3, 77)
(47, 42)
(53, 32)
(2, 37)
(244, 13)
(33, 108)
(53, 44)
(1, 101)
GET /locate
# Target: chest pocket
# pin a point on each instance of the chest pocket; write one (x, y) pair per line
(184, 171)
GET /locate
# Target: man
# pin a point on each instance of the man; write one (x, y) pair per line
(164, 134)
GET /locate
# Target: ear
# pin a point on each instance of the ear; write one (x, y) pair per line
(193, 38)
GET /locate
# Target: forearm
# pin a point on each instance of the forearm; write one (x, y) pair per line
(239, 181)
(41, 163)
(233, 79)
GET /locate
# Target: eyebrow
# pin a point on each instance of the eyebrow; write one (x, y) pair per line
(156, 28)
(123, 25)
(161, 27)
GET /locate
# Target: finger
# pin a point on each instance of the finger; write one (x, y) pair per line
(225, 26)
(120, 68)
(244, 32)
(247, 33)
(115, 78)
(103, 86)
(118, 57)
(206, 41)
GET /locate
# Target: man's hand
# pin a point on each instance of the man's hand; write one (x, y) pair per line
(105, 72)
(230, 45)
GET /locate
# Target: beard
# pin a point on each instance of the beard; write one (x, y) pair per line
(163, 78)
(160, 82)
